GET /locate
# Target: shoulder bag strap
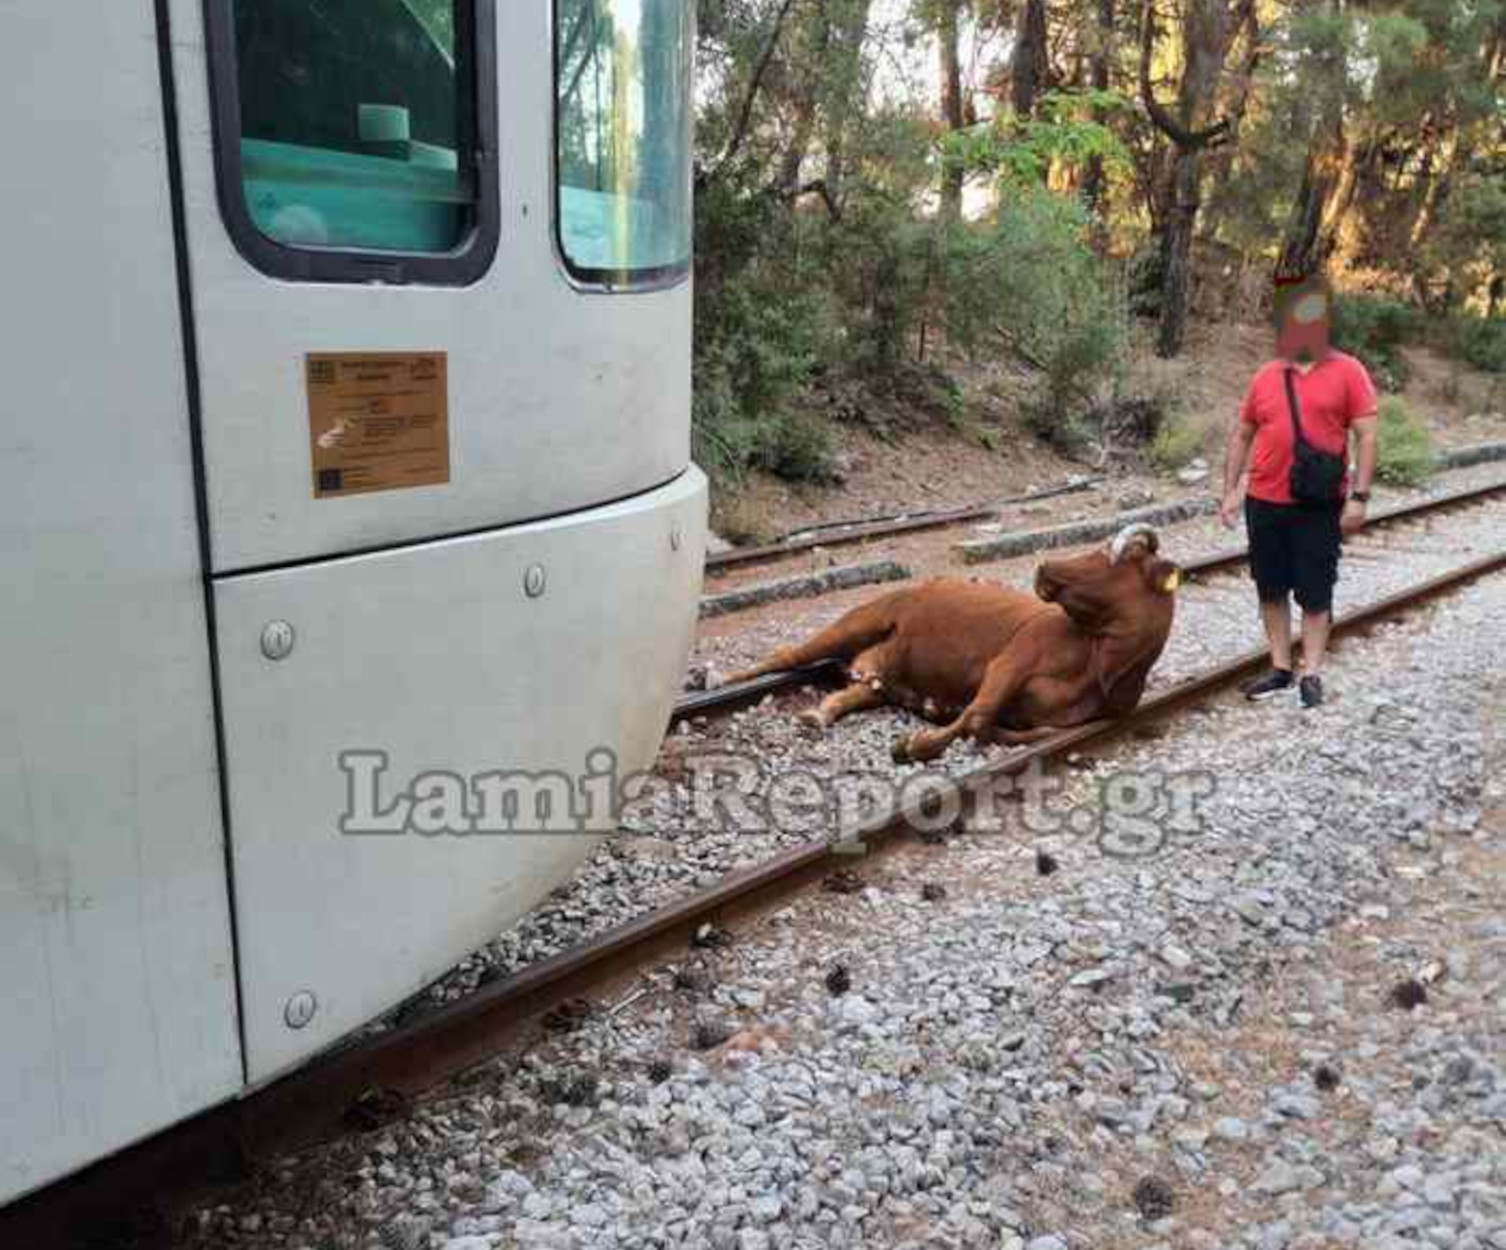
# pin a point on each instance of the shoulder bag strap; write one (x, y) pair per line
(1291, 405)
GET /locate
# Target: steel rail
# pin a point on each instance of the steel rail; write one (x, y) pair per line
(1233, 557)
(826, 672)
(723, 699)
(219, 1145)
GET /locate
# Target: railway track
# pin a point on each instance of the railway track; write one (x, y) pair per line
(729, 698)
(221, 1145)
(841, 534)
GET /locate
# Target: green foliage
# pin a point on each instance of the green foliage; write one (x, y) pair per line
(1405, 449)
(1176, 444)
(1467, 247)
(830, 290)
(883, 293)
(759, 331)
(796, 446)
(1481, 341)
(1028, 283)
(1062, 132)
(1144, 280)
(1374, 328)
(1251, 205)
(755, 352)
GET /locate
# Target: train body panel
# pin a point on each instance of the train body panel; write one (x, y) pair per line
(524, 654)
(255, 240)
(116, 967)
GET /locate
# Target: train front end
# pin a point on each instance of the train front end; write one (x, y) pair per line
(362, 535)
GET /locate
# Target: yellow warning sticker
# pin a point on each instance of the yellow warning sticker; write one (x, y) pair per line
(378, 421)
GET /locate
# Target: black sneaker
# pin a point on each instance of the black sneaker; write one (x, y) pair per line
(1312, 692)
(1274, 682)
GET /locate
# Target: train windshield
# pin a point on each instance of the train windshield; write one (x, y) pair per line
(623, 73)
(356, 125)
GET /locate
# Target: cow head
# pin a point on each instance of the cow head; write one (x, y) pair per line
(1125, 579)
(1122, 595)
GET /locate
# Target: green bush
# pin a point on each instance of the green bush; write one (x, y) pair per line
(1481, 341)
(1029, 283)
(1145, 277)
(1405, 452)
(721, 438)
(1176, 444)
(756, 351)
(1463, 253)
(1374, 328)
(796, 446)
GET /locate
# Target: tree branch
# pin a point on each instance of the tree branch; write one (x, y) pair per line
(755, 84)
(1211, 136)
(1025, 354)
(818, 186)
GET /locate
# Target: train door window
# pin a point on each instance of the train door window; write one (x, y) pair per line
(623, 139)
(355, 138)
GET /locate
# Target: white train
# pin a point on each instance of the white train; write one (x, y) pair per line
(346, 353)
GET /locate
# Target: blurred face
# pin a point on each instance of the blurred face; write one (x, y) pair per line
(1302, 313)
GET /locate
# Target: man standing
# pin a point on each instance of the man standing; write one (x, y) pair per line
(1294, 545)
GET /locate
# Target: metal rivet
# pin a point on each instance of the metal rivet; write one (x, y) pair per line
(676, 537)
(277, 640)
(534, 581)
(300, 1009)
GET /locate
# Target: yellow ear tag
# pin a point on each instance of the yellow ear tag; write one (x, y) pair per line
(1173, 580)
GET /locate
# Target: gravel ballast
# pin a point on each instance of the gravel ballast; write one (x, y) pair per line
(1202, 1044)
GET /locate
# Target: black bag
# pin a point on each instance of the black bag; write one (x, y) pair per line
(1317, 476)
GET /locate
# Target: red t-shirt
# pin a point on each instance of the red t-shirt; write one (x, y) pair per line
(1331, 396)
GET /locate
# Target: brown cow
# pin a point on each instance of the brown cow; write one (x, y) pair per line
(986, 662)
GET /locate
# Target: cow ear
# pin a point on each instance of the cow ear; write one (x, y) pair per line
(1046, 585)
(1163, 576)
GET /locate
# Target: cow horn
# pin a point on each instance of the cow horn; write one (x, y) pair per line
(1129, 534)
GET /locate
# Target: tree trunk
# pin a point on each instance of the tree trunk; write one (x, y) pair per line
(1208, 33)
(1028, 67)
(744, 121)
(787, 179)
(848, 32)
(805, 104)
(1093, 184)
(1329, 178)
(1176, 251)
(949, 36)
(1220, 163)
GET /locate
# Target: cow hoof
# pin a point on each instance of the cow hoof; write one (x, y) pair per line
(899, 750)
(811, 721)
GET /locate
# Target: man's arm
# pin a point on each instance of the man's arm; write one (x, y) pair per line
(1365, 425)
(1366, 448)
(1236, 456)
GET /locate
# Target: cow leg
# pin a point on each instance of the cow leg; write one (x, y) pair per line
(858, 697)
(1001, 682)
(1023, 737)
(851, 633)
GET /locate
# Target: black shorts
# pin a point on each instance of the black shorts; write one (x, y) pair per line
(1294, 549)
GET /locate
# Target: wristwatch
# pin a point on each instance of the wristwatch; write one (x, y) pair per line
(1360, 496)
